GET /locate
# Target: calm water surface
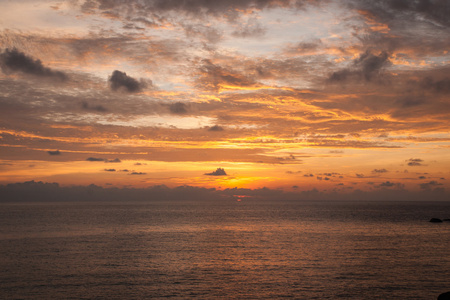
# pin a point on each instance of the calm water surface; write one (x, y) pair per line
(233, 250)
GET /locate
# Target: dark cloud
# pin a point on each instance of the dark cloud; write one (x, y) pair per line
(412, 162)
(366, 66)
(438, 86)
(308, 47)
(56, 152)
(415, 29)
(138, 173)
(218, 172)
(115, 160)
(289, 158)
(178, 108)
(16, 61)
(410, 101)
(370, 63)
(215, 128)
(98, 108)
(95, 159)
(388, 184)
(110, 170)
(331, 174)
(394, 12)
(380, 171)
(293, 172)
(429, 185)
(121, 81)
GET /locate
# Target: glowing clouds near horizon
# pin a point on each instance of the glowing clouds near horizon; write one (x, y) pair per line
(292, 95)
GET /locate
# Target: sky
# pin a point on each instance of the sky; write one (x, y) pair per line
(330, 96)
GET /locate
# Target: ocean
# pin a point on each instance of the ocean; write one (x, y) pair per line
(224, 250)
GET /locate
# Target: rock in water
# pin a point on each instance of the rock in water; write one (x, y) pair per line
(435, 220)
(444, 296)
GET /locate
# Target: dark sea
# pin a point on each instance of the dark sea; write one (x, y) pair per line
(229, 250)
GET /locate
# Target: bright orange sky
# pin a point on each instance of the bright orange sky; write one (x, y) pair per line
(336, 96)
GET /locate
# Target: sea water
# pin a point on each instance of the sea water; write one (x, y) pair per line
(230, 250)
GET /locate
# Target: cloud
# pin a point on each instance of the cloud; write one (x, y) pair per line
(216, 77)
(388, 184)
(56, 152)
(438, 86)
(331, 174)
(413, 162)
(402, 27)
(155, 12)
(252, 28)
(304, 48)
(178, 108)
(16, 61)
(366, 66)
(215, 128)
(95, 159)
(408, 12)
(371, 63)
(218, 172)
(209, 34)
(115, 160)
(98, 108)
(293, 172)
(121, 81)
(429, 185)
(110, 170)
(380, 171)
(410, 101)
(290, 158)
(138, 173)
